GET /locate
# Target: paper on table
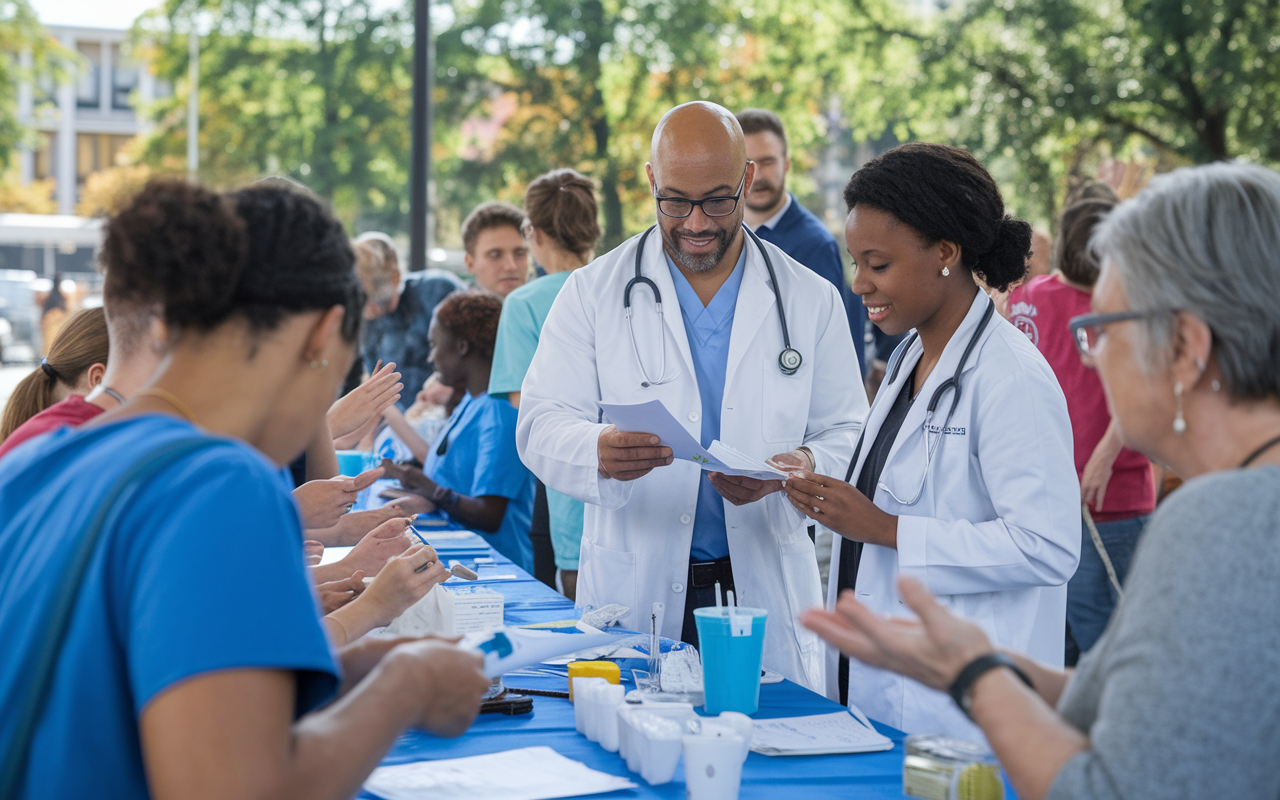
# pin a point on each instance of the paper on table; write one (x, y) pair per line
(530, 773)
(334, 554)
(822, 734)
(653, 417)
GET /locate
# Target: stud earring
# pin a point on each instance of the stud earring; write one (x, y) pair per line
(321, 364)
(946, 271)
(1179, 423)
(1215, 385)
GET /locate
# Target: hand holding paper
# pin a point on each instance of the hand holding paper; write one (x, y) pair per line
(654, 418)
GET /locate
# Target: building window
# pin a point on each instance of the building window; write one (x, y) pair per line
(88, 85)
(46, 156)
(88, 152)
(124, 80)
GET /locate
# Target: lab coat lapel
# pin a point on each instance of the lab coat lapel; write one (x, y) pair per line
(755, 305)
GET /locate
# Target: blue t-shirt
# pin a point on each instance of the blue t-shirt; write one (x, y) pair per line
(158, 604)
(523, 314)
(709, 329)
(480, 460)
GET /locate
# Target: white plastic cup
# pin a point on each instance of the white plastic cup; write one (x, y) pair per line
(713, 766)
(581, 687)
(610, 697)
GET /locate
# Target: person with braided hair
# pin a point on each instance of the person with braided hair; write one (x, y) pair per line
(964, 472)
(473, 474)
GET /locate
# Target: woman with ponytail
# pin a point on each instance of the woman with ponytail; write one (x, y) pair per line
(963, 477)
(76, 363)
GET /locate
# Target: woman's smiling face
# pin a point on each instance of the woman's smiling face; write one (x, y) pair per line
(897, 275)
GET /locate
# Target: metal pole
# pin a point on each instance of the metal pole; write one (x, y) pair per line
(420, 165)
(193, 101)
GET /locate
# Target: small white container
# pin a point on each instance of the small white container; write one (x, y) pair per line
(713, 764)
(582, 687)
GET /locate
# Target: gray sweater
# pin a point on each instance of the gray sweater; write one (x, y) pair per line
(1181, 695)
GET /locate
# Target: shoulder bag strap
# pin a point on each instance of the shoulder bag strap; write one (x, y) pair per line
(45, 658)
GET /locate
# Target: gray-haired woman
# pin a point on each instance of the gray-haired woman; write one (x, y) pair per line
(1181, 695)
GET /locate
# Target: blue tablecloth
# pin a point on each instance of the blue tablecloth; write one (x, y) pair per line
(867, 775)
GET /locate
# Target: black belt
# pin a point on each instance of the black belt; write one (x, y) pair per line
(705, 574)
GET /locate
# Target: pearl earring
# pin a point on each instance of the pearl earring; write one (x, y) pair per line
(1179, 423)
(1215, 385)
(321, 364)
(946, 271)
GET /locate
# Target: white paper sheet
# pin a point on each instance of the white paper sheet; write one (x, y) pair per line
(817, 735)
(334, 554)
(653, 417)
(530, 773)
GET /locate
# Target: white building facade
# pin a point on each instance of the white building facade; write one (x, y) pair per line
(85, 123)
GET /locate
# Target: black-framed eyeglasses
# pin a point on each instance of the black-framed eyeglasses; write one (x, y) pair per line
(1087, 329)
(680, 207)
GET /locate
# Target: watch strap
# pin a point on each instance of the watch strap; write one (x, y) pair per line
(975, 669)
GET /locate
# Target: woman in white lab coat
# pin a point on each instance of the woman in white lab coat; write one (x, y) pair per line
(963, 476)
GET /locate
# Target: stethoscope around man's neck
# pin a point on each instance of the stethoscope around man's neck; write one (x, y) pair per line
(789, 360)
(952, 383)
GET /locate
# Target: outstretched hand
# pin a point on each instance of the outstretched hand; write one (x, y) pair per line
(322, 503)
(741, 490)
(365, 402)
(931, 649)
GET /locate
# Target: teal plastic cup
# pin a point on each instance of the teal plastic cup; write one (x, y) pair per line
(732, 651)
(352, 462)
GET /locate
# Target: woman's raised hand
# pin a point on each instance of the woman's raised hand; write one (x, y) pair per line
(367, 401)
(931, 650)
(841, 507)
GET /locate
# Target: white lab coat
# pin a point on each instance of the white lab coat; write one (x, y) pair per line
(638, 534)
(996, 531)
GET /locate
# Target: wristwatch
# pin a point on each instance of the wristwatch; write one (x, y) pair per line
(980, 666)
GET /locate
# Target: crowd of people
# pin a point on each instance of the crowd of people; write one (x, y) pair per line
(972, 420)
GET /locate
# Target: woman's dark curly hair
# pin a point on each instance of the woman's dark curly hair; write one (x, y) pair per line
(472, 315)
(944, 192)
(204, 257)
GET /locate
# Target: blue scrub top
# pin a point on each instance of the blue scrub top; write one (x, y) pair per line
(523, 314)
(709, 329)
(158, 605)
(481, 461)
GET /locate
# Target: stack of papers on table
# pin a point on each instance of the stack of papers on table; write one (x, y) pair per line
(530, 773)
(653, 417)
(819, 735)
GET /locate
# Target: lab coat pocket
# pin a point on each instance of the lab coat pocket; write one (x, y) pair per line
(784, 403)
(801, 581)
(607, 576)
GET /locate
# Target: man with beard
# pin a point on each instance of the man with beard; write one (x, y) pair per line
(775, 215)
(753, 350)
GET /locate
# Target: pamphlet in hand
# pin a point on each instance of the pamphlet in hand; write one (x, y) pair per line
(513, 648)
(653, 417)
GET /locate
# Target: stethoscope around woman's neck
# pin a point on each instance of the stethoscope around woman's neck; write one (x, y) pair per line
(789, 360)
(952, 383)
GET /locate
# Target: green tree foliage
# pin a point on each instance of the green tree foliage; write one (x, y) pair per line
(1034, 86)
(318, 90)
(21, 31)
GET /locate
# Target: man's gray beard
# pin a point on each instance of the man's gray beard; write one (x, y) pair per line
(699, 264)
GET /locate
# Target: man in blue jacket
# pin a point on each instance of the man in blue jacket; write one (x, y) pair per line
(775, 215)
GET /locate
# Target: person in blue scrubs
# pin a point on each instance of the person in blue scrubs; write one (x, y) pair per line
(178, 675)
(473, 472)
(562, 231)
(776, 216)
